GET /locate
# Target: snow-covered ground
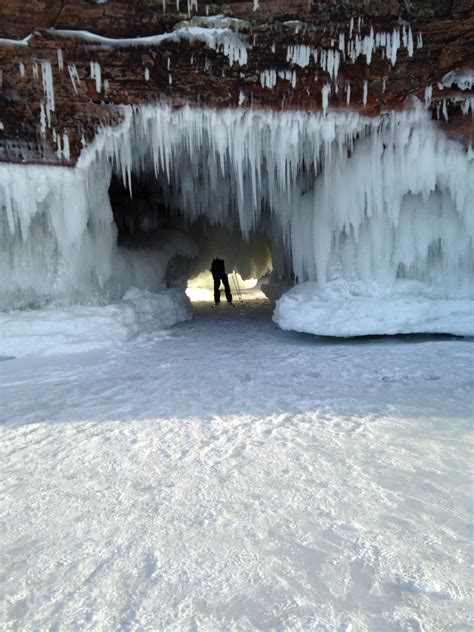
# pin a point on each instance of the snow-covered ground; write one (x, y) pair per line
(230, 475)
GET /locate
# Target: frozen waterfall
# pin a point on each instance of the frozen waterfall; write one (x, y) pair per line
(375, 206)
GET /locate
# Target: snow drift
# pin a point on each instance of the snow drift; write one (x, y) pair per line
(55, 330)
(370, 208)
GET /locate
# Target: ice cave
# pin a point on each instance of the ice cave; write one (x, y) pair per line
(366, 224)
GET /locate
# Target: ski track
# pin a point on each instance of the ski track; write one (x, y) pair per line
(232, 476)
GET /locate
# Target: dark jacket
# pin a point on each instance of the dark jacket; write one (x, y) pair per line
(218, 267)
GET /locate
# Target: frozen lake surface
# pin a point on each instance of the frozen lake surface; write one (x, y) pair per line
(229, 475)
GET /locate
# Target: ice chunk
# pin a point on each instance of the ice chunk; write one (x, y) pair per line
(54, 330)
(338, 312)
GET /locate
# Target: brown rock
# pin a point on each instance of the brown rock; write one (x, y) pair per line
(191, 72)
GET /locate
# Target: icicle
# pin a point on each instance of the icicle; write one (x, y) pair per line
(66, 150)
(256, 5)
(331, 62)
(384, 85)
(445, 110)
(60, 59)
(410, 45)
(468, 105)
(22, 70)
(323, 56)
(348, 93)
(74, 76)
(42, 119)
(192, 6)
(35, 71)
(299, 55)
(428, 95)
(96, 73)
(57, 140)
(366, 92)
(404, 36)
(147, 74)
(325, 92)
(268, 78)
(368, 46)
(419, 40)
(48, 89)
(342, 43)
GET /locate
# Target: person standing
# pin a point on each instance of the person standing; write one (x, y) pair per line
(218, 274)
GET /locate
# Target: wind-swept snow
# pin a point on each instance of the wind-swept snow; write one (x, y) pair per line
(235, 476)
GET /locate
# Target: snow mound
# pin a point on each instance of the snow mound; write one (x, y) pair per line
(56, 330)
(339, 311)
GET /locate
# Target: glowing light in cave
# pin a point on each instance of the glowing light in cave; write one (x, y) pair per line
(201, 287)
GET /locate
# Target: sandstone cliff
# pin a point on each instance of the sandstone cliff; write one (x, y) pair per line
(57, 85)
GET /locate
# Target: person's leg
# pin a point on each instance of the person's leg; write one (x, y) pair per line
(228, 293)
(217, 294)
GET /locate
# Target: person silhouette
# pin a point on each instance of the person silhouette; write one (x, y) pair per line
(218, 274)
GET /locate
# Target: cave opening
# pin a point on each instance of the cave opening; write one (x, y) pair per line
(172, 247)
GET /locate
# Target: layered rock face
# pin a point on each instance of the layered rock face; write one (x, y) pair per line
(66, 65)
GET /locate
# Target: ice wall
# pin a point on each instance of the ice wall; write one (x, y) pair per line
(56, 234)
(370, 200)
(58, 239)
(373, 202)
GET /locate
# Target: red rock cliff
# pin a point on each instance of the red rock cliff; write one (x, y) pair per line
(282, 54)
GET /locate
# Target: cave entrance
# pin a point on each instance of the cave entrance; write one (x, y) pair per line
(173, 247)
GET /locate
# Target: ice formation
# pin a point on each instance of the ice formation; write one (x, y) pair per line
(54, 330)
(385, 204)
(48, 88)
(74, 76)
(59, 241)
(96, 73)
(463, 78)
(222, 39)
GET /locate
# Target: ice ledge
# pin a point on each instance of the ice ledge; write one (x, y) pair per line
(305, 308)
